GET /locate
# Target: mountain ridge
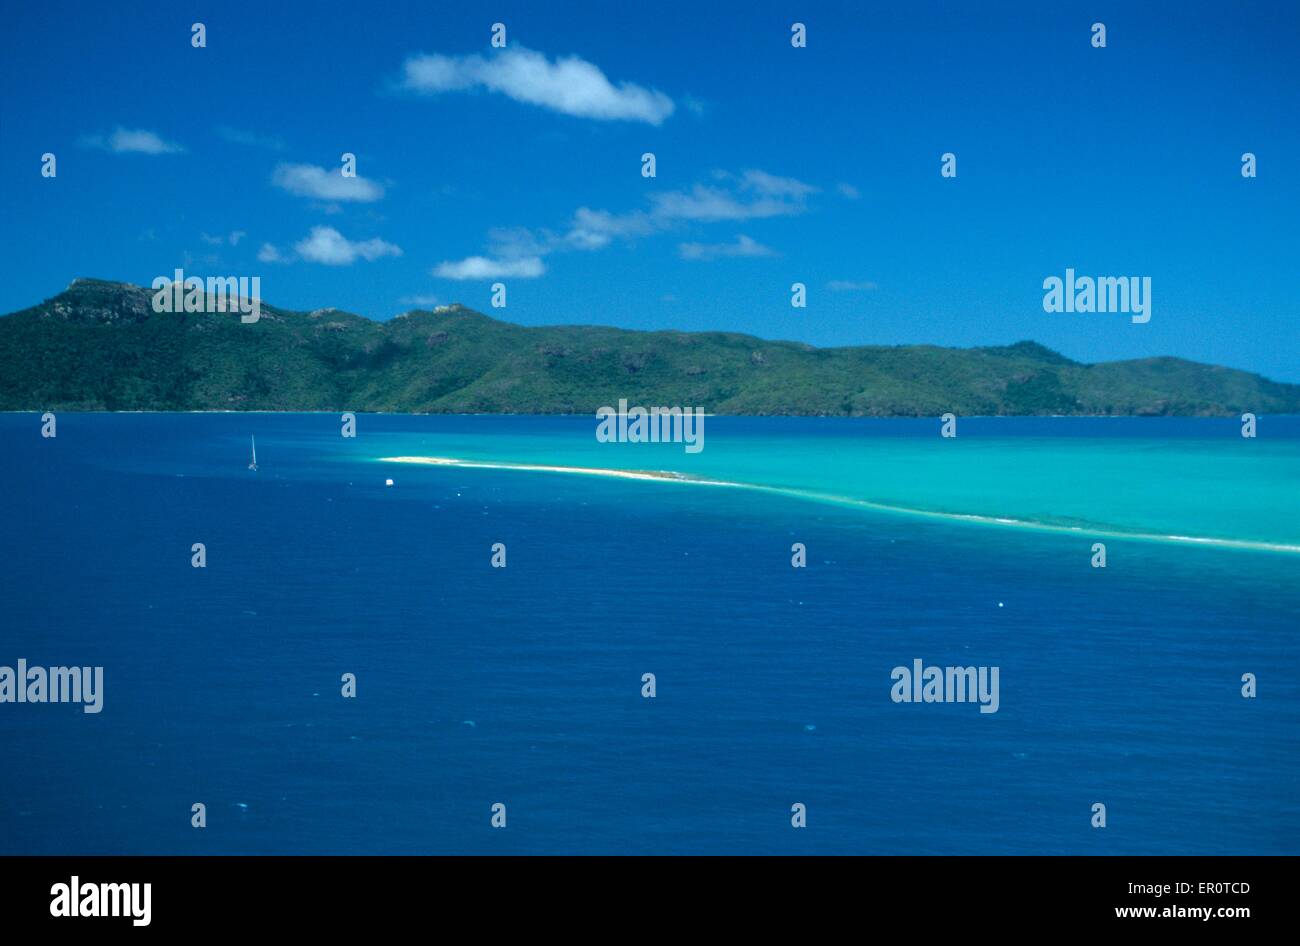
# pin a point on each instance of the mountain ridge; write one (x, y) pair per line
(98, 345)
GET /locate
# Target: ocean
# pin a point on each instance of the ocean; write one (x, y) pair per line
(522, 686)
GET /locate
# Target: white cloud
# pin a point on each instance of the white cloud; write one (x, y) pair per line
(753, 195)
(848, 190)
(270, 254)
(326, 245)
(849, 285)
(307, 180)
(769, 185)
(743, 246)
(588, 230)
(701, 203)
(482, 267)
(132, 141)
(746, 196)
(593, 229)
(425, 301)
(570, 85)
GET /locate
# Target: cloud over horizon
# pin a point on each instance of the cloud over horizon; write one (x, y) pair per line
(326, 245)
(483, 267)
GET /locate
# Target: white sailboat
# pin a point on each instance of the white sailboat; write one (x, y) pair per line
(253, 463)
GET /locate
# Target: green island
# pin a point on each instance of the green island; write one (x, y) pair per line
(99, 346)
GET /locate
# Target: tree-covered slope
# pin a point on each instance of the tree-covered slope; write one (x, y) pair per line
(100, 346)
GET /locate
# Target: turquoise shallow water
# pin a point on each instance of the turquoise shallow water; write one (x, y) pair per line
(1176, 477)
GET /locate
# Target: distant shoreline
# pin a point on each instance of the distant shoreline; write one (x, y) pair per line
(100, 345)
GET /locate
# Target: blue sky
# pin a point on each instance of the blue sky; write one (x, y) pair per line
(774, 164)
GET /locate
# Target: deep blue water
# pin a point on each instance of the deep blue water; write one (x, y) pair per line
(522, 685)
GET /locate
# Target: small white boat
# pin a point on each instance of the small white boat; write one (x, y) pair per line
(252, 465)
